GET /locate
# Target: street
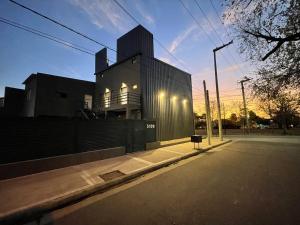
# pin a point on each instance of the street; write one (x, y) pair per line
(249, 181)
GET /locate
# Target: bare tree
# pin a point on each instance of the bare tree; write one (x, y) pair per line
(268, 33)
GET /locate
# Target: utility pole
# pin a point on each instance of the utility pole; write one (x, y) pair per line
(217, 89)
(207, 116)
(244, 101)
(224, 117)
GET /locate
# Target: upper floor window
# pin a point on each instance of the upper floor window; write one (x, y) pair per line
(107, 98)
(123, 94)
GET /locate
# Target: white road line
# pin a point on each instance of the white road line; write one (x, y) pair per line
(180, 153)
(84, 175)
(140, 160)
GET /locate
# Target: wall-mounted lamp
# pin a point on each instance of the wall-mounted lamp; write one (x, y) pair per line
(174, 98)
(134, 86)
(184, 101)
(162, 94)
(123, 85)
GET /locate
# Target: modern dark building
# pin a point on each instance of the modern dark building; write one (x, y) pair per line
(48, 95)
(139, 86)
(12, 102)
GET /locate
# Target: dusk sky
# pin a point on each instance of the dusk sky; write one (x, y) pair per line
(23, 53)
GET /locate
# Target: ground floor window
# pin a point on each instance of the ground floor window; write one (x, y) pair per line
(88, 101)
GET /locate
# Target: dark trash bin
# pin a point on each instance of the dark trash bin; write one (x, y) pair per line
(196, 139)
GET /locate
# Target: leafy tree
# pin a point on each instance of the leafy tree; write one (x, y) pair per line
(282, 106)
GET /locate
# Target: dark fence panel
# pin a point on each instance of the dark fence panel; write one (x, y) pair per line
(26, 139)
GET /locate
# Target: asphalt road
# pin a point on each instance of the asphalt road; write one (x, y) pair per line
(246, 182)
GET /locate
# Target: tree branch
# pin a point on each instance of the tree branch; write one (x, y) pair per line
(293, 37)
(273, 50)
(269, 39)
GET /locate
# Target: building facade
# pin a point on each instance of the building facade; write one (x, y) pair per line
(139, 86)
(49, 95)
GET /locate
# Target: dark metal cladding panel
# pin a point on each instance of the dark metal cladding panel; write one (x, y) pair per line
(101, 60)
(33, 138)
(167, 98)
(138, 40)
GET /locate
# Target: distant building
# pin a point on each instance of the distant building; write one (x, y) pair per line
(138, 86)
(12, 102)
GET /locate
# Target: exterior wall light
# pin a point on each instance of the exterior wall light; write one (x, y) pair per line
(184, 101)
(134, 86)
(161, 94)
(174, 98)
(106, 90)
(123, 85)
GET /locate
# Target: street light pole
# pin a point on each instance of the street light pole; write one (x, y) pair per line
(217, 89)
(244, 101)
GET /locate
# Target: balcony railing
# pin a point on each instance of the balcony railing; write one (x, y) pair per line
(120, 100)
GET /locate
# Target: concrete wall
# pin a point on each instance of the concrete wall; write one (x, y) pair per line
(56, 96)
(22, 168)
(167, 98)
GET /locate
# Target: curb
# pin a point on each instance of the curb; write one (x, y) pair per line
(35, 212)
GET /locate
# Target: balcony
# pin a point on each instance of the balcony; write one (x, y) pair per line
(119, 101)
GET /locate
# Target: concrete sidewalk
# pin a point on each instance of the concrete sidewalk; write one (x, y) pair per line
(37, 192)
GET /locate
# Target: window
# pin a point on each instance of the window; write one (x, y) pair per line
(88, 101)
(123, 94)
(107, 98)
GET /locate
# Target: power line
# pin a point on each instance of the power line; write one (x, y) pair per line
(217, 35)
(229, 36)
(62, 25)
(45, 35)
(201, 27)
(67, 27)
(161, 45)
(202, 11)
(214, 8)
